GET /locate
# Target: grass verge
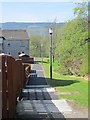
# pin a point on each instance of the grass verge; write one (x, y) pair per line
(74, 89)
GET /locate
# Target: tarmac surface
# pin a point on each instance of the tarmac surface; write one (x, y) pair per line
(39, 100)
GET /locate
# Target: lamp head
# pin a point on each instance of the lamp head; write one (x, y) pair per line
(50, 31)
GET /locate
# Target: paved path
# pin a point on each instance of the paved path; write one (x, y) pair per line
(40, 79)
(39, 99)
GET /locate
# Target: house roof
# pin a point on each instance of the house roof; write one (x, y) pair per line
(14, 34)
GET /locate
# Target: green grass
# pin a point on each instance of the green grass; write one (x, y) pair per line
(77, 86)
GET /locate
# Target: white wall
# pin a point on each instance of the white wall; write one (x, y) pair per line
(15, 46)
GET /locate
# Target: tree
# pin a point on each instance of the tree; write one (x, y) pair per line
(81, 10)
(72, 50)
(39, 46)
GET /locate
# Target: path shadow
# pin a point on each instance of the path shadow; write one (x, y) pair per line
(33, 71)
(53, 82)
(36, 97)
(36, 62)
(37, 81)
(39, 61)
(59, 82)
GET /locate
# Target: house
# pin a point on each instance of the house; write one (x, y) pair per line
(1, 44)
(14, 42)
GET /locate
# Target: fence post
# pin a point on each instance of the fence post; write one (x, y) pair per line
(10, 86)
(0, 87)
(23, 75)
(4, 88)
(14, 75)
(19, 76)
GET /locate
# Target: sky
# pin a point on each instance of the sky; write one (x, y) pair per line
(36, 11)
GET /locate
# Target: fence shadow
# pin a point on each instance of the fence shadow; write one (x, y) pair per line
(59, 82)
(40, 61)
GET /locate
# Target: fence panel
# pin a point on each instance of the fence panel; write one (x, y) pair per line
(0, 87)
(15, 78)
(19, 76)
(23, 76)
(12, 74)
(10, 70)
(4, 88)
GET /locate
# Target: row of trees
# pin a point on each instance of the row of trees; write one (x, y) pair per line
(70, 44)
(39, 46)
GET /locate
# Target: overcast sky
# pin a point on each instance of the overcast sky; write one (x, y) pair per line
(36, 11)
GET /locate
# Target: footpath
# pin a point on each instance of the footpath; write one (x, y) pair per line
(39, 100)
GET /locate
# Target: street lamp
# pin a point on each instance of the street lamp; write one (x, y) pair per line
(42, 52)
(50, 32)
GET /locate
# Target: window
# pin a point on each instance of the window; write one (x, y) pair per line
(8, 44)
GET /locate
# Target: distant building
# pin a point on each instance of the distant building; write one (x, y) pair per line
(14, 42)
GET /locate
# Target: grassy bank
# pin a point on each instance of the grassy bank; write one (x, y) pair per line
(70, 88)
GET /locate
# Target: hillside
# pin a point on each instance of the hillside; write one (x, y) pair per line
(23, 25)
(33, 28)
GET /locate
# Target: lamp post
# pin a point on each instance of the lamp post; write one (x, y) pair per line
(50, 32)
(42, 52)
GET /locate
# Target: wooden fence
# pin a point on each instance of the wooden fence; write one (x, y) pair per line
(0, 88)
(12, 80)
